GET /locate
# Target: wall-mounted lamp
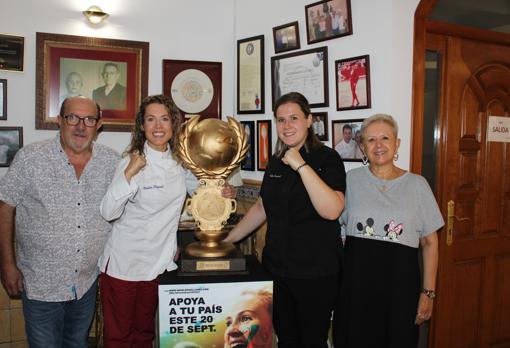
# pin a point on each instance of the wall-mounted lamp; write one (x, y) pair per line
(95, 15)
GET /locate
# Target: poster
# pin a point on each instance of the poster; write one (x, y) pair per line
(216, 315)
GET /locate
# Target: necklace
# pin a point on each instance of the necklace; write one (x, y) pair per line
(386, 182)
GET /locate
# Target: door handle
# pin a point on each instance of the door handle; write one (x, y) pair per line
(451, 221)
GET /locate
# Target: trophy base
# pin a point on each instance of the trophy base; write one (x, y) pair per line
(194, 265)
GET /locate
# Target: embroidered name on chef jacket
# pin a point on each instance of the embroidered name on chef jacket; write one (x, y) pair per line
(150, 187)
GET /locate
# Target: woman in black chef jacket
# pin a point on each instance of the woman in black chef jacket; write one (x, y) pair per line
(301, 198)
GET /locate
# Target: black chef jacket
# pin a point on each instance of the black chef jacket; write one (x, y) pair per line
(299, 242)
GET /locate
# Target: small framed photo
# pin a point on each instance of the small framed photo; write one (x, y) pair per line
(347, 139)
(250, 76)
(320, 125)
(11, 140)
(195, 86)
(326, 20)
(353, 83)
(286, 37)
(249, 161)
(3, 99)
(264, 144)
(112, 72)
(305, 72)
(11, 52)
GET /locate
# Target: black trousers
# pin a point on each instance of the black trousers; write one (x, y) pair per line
(302, 310)
(378, 296)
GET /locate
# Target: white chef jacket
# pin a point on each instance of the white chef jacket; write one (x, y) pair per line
(145, 215)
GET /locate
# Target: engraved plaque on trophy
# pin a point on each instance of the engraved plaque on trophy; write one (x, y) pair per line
(211, 149)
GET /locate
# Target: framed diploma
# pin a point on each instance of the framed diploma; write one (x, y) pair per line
(3, 99)
(264, 144)
(194, 86)
(250, 75)
(305, 72)
(11, 52)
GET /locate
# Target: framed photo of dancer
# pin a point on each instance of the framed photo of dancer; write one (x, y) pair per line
(249, 160)
(286, 37)
(326, 20)
(347, 139)
(320, 125)
(353, 83)
(264, 144)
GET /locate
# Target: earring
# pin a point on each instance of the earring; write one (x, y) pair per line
(364, 160)
(395, 158)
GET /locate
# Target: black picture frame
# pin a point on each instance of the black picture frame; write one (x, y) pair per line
(251, 97)
(352, 76)
(11, 140)
(326, 20)
(12, 54)
(320, 126)
(286, 37)
(355, 154)
(3, 99)
(250, 159)
(305, 72)
(264, 144)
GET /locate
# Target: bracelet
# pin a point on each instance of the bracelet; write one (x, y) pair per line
(301, 166)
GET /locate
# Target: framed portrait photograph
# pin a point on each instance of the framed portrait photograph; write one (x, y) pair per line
(112, 72)
(305, 72)
(264, 144)
(286, 37)
(326, 20)
(347, 139)
(11, 140)
(320, 125)
(249, 160)
(353, 83)
(250, 75)
(194, 86)
(12, 50)
(3, 99)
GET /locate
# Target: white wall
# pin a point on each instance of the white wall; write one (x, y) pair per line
(176, 29)
(208, 30)
(381, 28)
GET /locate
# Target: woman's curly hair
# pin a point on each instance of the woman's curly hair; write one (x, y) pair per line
(138, 134)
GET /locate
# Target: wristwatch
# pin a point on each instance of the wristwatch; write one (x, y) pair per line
(429, 293)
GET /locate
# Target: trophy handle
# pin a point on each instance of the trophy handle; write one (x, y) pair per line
(234, 205)
(188, 205)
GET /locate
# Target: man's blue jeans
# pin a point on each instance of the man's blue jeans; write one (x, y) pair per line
(59, 324)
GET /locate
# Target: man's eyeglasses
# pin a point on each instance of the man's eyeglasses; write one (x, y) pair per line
(88, 121)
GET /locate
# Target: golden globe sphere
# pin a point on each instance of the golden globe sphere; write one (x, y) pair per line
(213, 144)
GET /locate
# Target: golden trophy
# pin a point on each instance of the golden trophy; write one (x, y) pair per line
(211, 149)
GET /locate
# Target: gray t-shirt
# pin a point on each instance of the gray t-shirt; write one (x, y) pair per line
(59, 230)
(401, 210)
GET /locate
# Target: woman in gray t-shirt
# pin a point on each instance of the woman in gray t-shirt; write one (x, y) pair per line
(388, 214)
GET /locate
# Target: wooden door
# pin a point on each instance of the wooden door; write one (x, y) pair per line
(473, 304)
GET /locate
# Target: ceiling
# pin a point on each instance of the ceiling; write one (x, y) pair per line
(486, 14)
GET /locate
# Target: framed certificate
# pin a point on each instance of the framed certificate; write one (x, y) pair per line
(250, 75)
(305, 72)
(11, 52)
(194, 86)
